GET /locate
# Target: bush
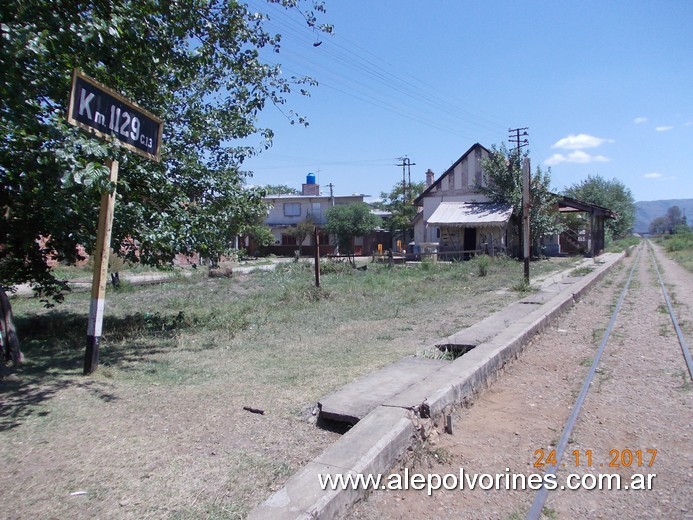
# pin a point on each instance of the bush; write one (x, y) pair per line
(482, 264)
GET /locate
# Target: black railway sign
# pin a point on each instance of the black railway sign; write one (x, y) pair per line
(104, 112)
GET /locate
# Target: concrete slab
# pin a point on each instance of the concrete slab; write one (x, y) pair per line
(490, 326)
(373, 446)
(353, 402)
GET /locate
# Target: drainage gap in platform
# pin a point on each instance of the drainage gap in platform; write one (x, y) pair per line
(335, 425)
(450, 351)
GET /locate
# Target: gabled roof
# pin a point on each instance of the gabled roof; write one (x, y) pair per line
(418, 200)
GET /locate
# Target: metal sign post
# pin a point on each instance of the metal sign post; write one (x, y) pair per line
(525, 215)
(105, 113)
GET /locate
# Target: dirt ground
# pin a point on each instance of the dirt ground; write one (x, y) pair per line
(162, 433)
(640, 399)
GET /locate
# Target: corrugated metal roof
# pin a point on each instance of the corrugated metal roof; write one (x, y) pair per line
(470, 214)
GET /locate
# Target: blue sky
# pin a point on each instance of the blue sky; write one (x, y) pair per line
(604, 87)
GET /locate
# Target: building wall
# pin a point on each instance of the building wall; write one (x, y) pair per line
(280, 214)
(458, 184)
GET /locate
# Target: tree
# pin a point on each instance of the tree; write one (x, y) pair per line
(674, 217)
(503, 185)
(611, 194)
(402, 212)
(659, 225)
(280, 189)
(349, 221)
(302, 230)
(670, 222)
(195, 63)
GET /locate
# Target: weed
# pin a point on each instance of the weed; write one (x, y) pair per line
(549, 513)
(598, 334)
(523, 287)
(581, 271)
(427, 264)
(685, 380)
(665, 330)
(482, 265)
(441, 455)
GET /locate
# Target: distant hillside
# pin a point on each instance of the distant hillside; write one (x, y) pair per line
(646, 211)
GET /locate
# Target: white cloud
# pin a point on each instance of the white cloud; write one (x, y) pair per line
(640, 120)
(580, 141)
(663, 128)
(577, 156)
(688, 123)
(653, 175)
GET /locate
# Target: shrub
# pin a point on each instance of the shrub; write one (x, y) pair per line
(482, 264)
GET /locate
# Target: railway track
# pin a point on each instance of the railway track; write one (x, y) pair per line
(639, 403)
(645, 252)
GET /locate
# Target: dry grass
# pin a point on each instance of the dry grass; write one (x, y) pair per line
(160, 431)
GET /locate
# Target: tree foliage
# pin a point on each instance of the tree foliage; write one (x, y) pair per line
(195, 63)
(611, 194)
(301, 231)
(402, 211)
(349, 221)
(280, 189)
(672, 222)
(503, 174)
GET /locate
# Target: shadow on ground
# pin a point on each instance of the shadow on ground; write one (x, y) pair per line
(54, 344)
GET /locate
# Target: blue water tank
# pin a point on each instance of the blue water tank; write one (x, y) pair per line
(310, 178)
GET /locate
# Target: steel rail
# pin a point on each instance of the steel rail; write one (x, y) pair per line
(540, 498)
(682, 341)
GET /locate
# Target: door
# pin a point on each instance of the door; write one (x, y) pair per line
(469, 241)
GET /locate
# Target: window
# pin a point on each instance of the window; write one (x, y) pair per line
(323, 240)
(292, 209)
(288, 240)
(316, 211)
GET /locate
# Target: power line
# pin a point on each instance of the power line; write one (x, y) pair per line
(369, 71)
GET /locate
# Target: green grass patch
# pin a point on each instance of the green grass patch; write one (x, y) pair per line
(581, 271)
(679, 247)
(623, 244)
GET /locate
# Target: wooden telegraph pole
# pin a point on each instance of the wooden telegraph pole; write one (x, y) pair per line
(525, 215)
(105, 113)
(317, 256)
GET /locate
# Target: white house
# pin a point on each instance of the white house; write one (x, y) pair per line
(458, 220)
(286, 210)
(455, 215)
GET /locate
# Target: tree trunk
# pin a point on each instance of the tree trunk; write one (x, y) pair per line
(8, 334)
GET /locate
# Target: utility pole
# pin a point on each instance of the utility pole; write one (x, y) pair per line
(331, 186)
(406, 168)
(526, 205)
(519, 137)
